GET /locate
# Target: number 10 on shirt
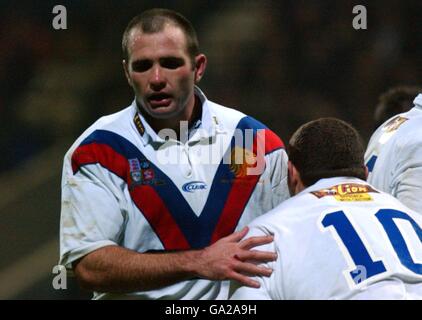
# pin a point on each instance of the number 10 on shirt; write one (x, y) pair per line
(358, 249)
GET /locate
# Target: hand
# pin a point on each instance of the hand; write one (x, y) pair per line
(231, 258)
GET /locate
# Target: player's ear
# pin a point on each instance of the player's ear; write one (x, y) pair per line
(293, 173)
(293, 179)
(200, 66)
(126, 70)
(366, 173)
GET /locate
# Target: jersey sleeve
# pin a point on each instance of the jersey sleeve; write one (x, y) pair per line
(407, 182)
(91, 212)
(276, 165)
(278, 172)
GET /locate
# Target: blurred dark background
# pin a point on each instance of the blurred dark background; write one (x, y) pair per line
(282, 62)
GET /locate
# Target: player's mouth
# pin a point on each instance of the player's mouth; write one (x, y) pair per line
(157, 100)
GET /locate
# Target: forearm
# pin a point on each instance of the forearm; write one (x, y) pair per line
(116, 269)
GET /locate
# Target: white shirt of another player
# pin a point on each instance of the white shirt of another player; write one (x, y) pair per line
(394, 157)
(333, 241)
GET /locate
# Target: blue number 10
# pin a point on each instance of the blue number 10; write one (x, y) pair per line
(357, 249)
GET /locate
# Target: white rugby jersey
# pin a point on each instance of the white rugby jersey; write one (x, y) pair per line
(124, 185)
(394, 157)
(340, 239)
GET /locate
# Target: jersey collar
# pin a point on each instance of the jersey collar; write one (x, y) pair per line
(329, 182)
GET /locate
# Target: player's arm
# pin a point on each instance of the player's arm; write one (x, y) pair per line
(116, 269)
(408, 182)
(409, 188)
(93, 219)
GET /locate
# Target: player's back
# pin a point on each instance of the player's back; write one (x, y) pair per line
(341, 239)
(394, 156)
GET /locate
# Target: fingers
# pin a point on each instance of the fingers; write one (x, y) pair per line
(256, 241)
(237, 236)
(252, 270)
(257, 256)
(244, 271)
(244, 280)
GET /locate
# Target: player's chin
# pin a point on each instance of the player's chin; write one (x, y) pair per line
(163, 112)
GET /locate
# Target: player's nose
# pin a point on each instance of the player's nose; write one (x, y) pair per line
(157, 79)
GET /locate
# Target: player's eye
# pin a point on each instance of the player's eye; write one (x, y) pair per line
(172, 63)
(141, 65)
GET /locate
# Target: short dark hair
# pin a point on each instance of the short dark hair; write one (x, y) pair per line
(327, 147)
(154, 20)
(394, 101)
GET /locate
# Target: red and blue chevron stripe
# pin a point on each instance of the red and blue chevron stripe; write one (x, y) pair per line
(163, 205)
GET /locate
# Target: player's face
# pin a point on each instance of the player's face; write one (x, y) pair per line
(161, 73)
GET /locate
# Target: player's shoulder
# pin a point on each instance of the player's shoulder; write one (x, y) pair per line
(112, 122)
(415, 119)
(400, 131)
(388, 200)
(410, 133)
(286, 213)
(233, 120)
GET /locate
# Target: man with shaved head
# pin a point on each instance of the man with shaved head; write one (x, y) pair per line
(155, 197)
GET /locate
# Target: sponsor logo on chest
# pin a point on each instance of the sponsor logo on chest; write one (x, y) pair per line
(194, 186)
